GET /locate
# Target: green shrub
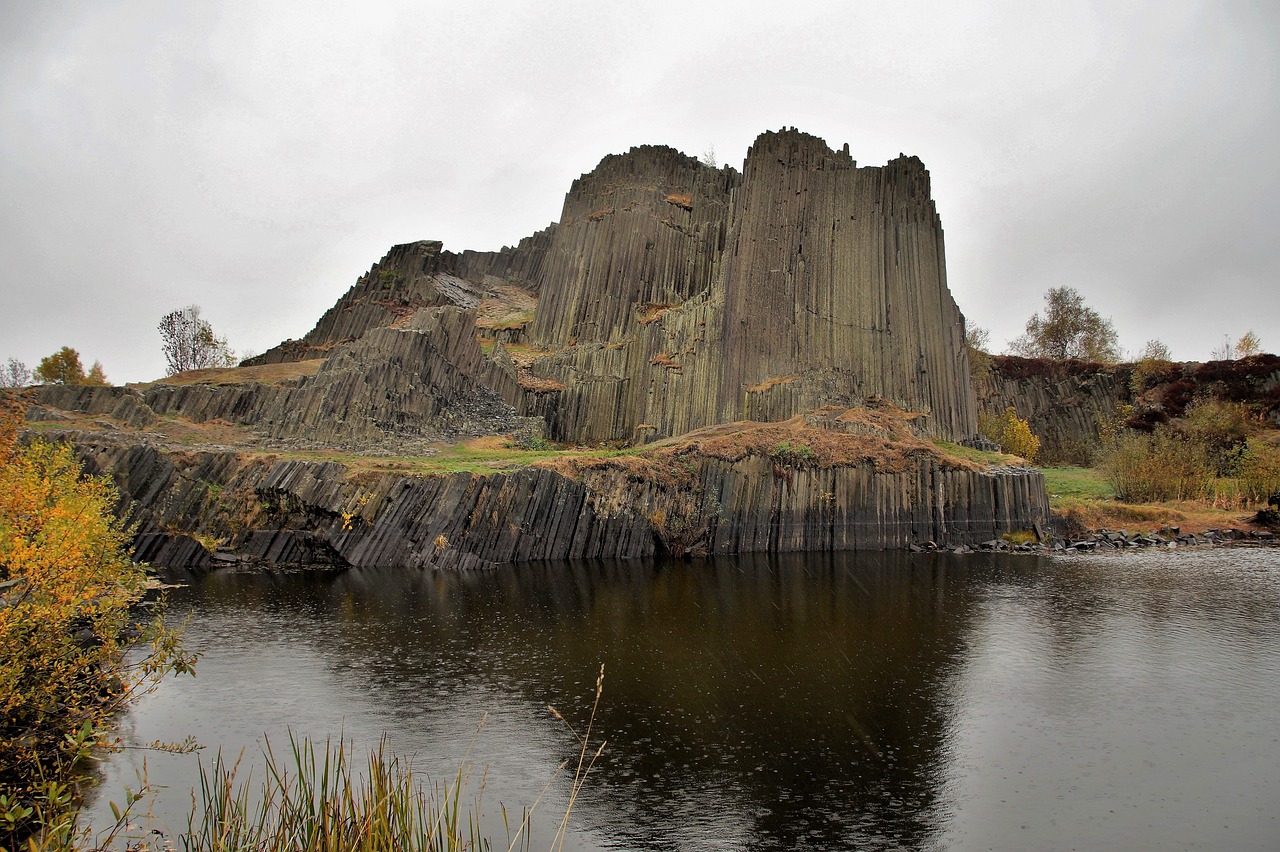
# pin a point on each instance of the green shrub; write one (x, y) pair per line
(1220, 428)
(793, 455)
(1150, 372)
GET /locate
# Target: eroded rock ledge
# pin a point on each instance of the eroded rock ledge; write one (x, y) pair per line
(832, 480)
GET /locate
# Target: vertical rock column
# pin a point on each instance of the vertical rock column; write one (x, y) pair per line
(835, 289)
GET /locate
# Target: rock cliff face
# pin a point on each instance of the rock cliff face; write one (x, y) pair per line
(676, 296)
(1066, 403)
(835, 288)
(672, 295)
(730, 491)
(669, 299)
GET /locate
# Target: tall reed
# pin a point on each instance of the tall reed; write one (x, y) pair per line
(313, 800)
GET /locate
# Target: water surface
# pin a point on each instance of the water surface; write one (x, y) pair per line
(847, 701)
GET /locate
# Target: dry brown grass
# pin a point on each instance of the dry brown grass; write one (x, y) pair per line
(823, 439)
(506, 307)
(653, 311)
(683, 200)
(665, 359)
(267, 374)
(597, 215)
(774, 382)
(1189, 516)
(538, 384)
(522, 355)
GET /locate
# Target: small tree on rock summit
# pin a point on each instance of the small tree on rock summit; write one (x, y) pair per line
(190, 343)
(64, 368)
(1068, 329)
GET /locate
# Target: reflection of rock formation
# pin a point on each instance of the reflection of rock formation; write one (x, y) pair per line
(800, 698)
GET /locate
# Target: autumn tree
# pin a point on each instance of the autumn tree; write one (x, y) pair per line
(189, 342)
(61, 368)
(96, 375)
(1010, 432)
(1068, 329)
(1155, 350)
(68, 591)
(977, 344)
(1248, 344)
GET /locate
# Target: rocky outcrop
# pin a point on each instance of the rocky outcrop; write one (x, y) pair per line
(409, 278)
(671, 298)
(834, 483)
(416, 381)
(677, 295)
(120, 404)
(1067, 403)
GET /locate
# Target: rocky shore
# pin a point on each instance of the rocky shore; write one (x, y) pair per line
(1108, 540)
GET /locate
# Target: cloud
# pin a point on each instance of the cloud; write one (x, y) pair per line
(257, 160)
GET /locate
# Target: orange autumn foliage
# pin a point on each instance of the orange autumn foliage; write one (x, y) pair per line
(68, 612)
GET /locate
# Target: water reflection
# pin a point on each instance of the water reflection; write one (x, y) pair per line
(823, 702)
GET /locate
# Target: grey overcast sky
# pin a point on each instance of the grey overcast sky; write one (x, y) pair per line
(255, 158)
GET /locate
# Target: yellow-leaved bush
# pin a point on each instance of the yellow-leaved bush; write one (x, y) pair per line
(69, 610)
(1011, 433)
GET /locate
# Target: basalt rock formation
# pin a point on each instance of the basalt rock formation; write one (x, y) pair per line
(672, 296)
(1068, 403)
(831, 480)
(804, 294)
(676, 296)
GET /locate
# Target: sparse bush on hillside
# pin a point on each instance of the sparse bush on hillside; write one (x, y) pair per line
(1011, 433)
(1163, 465)
(1220, 428)
(14, 374)
(1259, 470)
(1150, 372)
(1155, 350)
(189, 342)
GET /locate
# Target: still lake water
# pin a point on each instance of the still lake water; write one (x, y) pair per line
(833, 701)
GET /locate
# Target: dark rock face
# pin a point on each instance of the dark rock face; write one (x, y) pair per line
(1066, 403)
(835, 275)
(678, 296)
(282, 512)
(671, 297)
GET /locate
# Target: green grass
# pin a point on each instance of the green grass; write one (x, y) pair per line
(979, 456)
(1076, 483)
